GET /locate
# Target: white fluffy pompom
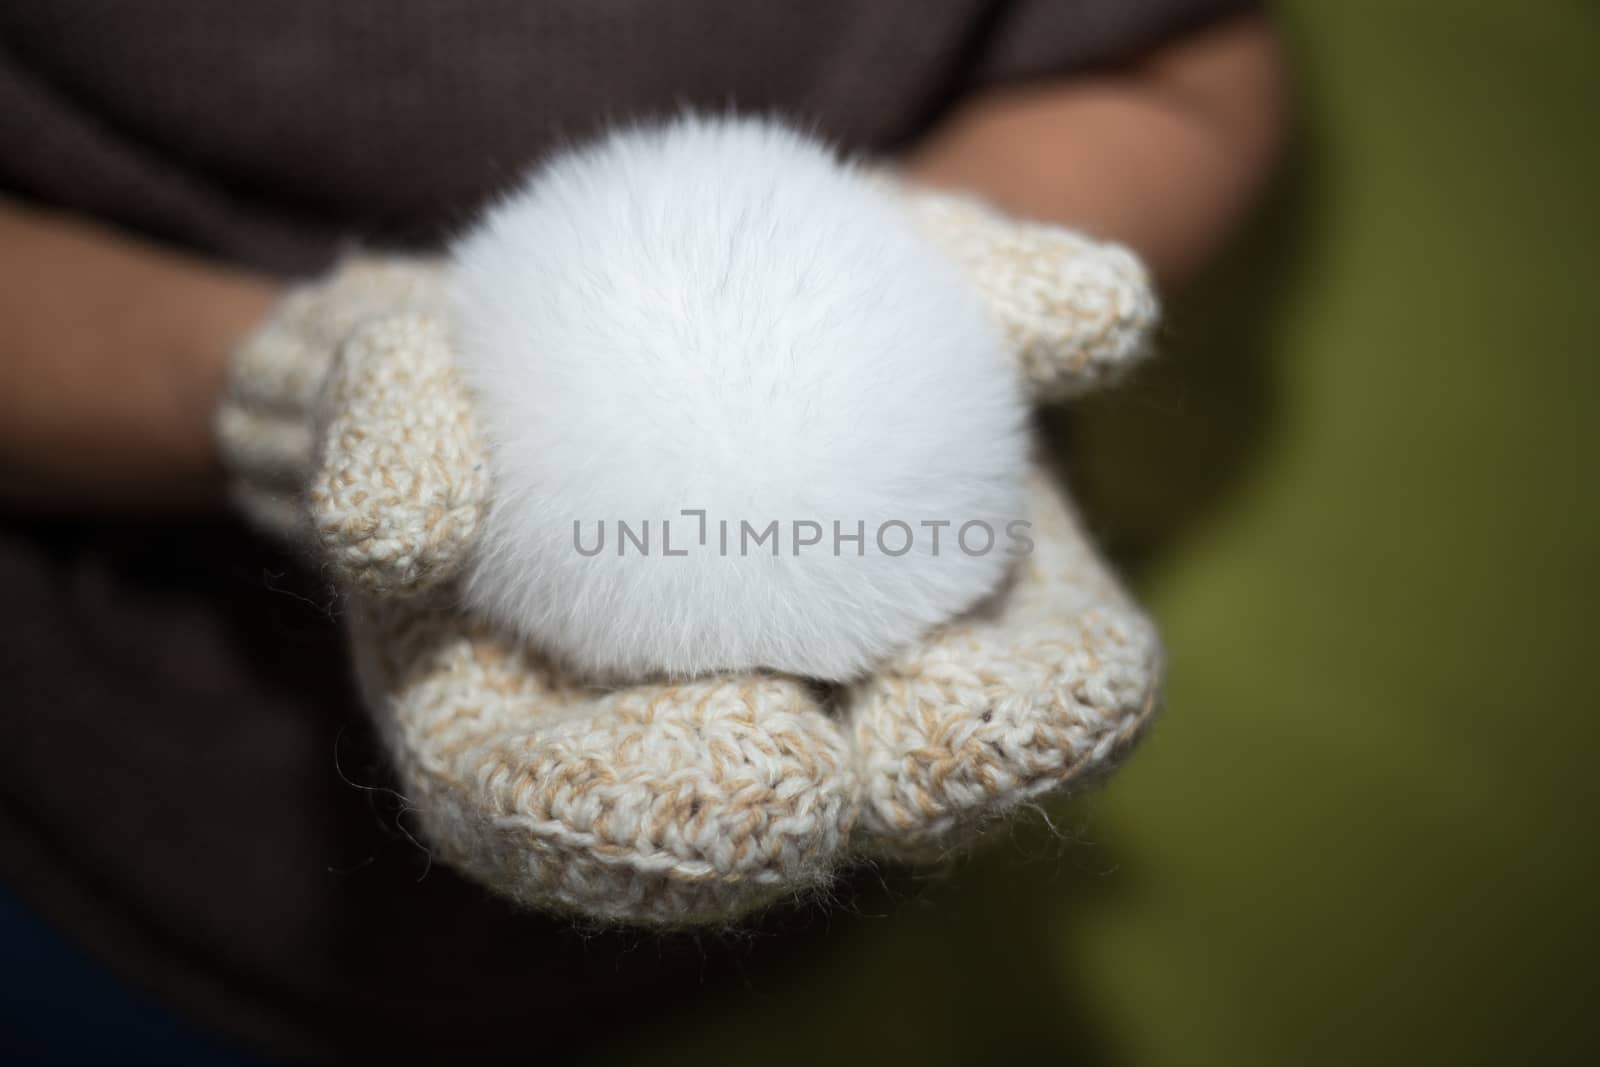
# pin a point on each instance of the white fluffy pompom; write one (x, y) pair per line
(684, 334)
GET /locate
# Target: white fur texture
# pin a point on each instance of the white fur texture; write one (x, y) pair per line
(717, 314)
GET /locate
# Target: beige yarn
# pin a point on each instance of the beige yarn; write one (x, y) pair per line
(347, 426)
(1077, 312)
(266, 426)
(655, 803)
(396, 502)
(1052, 679)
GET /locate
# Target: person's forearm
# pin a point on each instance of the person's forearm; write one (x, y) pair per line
(111, 360)
(1165, 154)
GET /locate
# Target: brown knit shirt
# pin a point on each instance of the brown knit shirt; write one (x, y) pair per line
(186, 785)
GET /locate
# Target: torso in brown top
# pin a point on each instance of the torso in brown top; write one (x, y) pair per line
(179, 744)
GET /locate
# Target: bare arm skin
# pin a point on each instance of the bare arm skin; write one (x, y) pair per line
(1165, 154)
(112, 349)
(111, 358)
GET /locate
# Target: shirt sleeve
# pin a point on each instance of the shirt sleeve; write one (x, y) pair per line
(1031, 38)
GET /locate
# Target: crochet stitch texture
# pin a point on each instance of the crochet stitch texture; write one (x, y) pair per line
(347, 428)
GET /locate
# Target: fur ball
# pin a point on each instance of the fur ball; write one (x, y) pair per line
(740, 413)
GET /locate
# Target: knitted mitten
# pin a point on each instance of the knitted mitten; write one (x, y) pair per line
(265, 426)
(1054, 678)
(347, 427)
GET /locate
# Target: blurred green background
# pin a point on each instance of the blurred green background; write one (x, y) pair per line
(1357, 491)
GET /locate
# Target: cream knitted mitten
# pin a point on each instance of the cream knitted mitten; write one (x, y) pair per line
(1056, 676)
(348, 428)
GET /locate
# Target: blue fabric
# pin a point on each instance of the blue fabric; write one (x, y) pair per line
(57, 1006)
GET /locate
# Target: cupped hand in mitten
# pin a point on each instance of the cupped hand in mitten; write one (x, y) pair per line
(347, 427)
(1050, 680)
